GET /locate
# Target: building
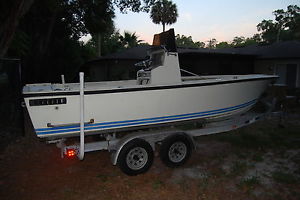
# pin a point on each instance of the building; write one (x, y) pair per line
(281, 58)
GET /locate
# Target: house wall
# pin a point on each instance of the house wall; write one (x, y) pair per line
(111, 70)
(210, 64)
(202, 64)
(271, 66)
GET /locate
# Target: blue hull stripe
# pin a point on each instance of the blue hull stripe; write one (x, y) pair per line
(117, 124)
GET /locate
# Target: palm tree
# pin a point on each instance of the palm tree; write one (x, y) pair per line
(164, 12)
(130, 40)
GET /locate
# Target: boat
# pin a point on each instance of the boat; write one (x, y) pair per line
(158, 96)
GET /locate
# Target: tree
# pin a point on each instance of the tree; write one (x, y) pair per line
(238, 41)
(110, 44)
(134, 5)
(129, 40)
(285, 27)
(50, 30)
(98, 17)
(254, 40)
(164, 12)
(47, 34)
(10, 14)
(184, 41)
(211, 44)
(12, 11)
(288, 21)
(268, 30)
(223, 45)
(114, 42)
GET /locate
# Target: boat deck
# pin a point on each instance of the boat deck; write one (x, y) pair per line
(127, 84)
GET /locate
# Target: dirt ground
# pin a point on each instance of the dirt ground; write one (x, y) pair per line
(261, 161)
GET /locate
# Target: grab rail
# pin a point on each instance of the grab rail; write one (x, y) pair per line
(71, 124)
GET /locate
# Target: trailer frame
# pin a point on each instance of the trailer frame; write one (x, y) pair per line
(182, 139)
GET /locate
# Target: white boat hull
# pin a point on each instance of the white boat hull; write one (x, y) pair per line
(112, 111)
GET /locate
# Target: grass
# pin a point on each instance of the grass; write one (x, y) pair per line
(184, 184)
(217, 172)
(284, 177)
(246, 139)
(203, 183)
(296, 159)
(238, 168)
(258, 156)
(157, 184)
(103, 178)
(263, 136)
(249, 183)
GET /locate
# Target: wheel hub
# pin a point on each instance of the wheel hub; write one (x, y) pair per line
(177, 152)
(137, 158)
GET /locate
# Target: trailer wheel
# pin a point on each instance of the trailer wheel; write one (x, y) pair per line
(136, 157)
(175, 150)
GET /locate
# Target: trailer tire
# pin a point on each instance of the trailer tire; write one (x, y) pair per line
(135, 157)
(175, 150)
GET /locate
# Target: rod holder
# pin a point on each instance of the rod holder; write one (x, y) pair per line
(81, 149)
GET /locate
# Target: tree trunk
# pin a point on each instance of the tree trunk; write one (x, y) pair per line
(278, 34)
(9, 26)
(41, 46)
(99, 44)
(46, 41)
(163, 26)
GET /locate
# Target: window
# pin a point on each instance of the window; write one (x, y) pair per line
(287, 74)
(157, 59)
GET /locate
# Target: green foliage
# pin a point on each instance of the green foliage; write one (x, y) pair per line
(20, 45)
(103, 178)
(285, 27)
(238, 168)
(134, 5)
(164, 12)
(157, 184)
(268, 30)
(252, 41)
(267, 137)
(114, 42)
(47, 37)
(212, 43)
(184, 41)
(284, 177)
(111, 43)
(10, 14)
(242, 41)
(258, 157)
(129, 40)
(97, 15)
(203, 184)
(222, 45)
(249, 183)
(238, 41)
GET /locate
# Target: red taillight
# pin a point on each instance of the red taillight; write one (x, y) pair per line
(71, 152)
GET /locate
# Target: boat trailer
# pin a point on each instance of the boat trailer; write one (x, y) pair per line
(134, 152)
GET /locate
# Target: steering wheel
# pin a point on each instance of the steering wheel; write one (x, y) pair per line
(144, 63)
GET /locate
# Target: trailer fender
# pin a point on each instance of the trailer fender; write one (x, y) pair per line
(152, 139)
(118, 147)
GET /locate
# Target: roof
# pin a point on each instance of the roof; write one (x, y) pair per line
(139, 53)
(279, 50)
(287, 49)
